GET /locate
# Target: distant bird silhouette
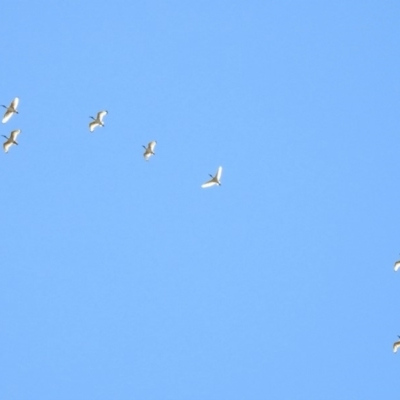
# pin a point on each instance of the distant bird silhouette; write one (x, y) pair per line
(397, 265)
(10, 110)
(149, 150)
(98, 121)
(215, 180)
(11, 140)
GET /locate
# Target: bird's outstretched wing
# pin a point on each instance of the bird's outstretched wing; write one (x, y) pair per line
(101, 115)
(93, 125)
(14, 103)
(152, 145)
(14, 134)
(396, 265)
(7, 144)
(209, 183)
(219, 173)
(7, 116)
(396, 345)
(146, 154)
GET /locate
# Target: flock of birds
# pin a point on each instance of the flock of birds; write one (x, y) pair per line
(148, 152)
(97, 122)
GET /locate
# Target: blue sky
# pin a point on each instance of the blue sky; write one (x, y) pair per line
(124, 279)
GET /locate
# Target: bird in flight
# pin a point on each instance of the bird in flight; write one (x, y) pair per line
(149, 150)
(11, 140)
(98, 121)
(215, 180)
(397, 265)
(10, 110)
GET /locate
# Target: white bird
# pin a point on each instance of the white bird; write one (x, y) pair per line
(396, 345)
(98, 121)
(10, 110)
(397, 265)
(215, 180)
(149, 150)
(11, 140)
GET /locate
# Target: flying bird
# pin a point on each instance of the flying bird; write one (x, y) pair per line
(10, 110)
(396, 345)
(98, 121)
(397, 265)
(149, 150)
(215, 180)
(11, 140)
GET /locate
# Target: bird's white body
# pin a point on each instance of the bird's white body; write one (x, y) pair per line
(11, 140)
(98, 121)
(215, 180)
(149, 150)
(396, 345)
(10, 110)
(397, 265)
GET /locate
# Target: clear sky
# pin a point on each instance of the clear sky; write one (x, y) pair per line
(124, 279)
